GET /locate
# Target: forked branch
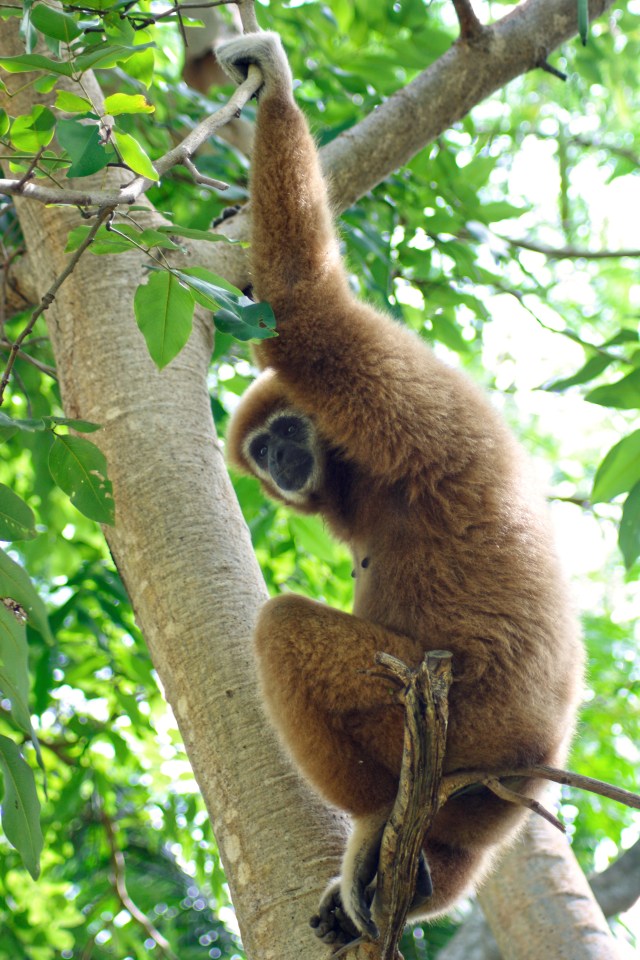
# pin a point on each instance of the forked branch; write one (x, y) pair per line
(423, 790)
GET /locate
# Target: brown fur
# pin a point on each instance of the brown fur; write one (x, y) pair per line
(426, 485)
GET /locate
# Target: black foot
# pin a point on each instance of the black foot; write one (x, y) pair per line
(331, 924)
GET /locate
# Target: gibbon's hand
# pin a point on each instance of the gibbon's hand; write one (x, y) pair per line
(263, 49)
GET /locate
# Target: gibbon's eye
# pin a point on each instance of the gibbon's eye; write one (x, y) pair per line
(289, 428)
(259, 448)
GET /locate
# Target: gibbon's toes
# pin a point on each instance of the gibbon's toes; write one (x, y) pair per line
(362, 913)
(331, 924)
(263, 49)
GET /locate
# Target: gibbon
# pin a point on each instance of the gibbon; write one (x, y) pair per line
(355, 418)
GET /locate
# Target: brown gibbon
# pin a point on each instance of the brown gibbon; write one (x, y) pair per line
(355, 418)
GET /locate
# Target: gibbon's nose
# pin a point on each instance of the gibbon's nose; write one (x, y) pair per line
(290, 465)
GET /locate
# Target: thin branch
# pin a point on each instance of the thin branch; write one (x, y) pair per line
(417, 801)
(506, 794)
(48, 298)
(120, 887)
(201, 178)
(423, 790)
(549, 68)
(470, 27)
(569, 253)
(462, 779)
(23, 355)
(131, 192)
(248, 18)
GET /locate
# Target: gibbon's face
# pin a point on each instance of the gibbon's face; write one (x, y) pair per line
(287, 453)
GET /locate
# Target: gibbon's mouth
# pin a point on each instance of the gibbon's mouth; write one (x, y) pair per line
(292, 474)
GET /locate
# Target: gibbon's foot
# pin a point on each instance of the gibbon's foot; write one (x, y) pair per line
(264, 50)
(331, 923)
(334, 926)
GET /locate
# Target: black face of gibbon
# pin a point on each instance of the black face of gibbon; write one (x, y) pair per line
(285, 451)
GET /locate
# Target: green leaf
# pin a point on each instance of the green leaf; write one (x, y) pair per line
(105, 241)
(142, 65)
(107, 55)
(629, 533)
(583, 20)
(14, 670)
(82, 426)
(134, 156)
(623, 394)
(4, 122)
(33, 130)
(54, 23)
(619, 471)
(499, 210)
(164, 312)
(9, 424)
(46, 82)
(119, 103)
(80, 469)
(40, 424)
(234, 313)
(26, 62)
(16, 584)
(591, 369)
(82, 143)
(251, 321)
(192, 234)
(72, 103)
(20, 806)
(17, 521)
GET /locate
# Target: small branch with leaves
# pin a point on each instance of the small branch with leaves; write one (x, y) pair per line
(47, 299)
(132, 192)
(423, 790)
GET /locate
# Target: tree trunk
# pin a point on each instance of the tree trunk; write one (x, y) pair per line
(184, 553)
(538, 901)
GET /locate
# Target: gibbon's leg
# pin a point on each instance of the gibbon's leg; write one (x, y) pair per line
(343, 728)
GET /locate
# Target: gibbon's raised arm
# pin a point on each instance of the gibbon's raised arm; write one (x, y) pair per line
(360, 375)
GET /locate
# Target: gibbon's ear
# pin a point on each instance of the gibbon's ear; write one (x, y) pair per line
(264, 397)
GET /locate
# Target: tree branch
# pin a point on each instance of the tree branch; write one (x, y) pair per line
(130, 193)
(426, 714)
(423, 790)
(616, 889)
(569, 253)
(48, 298)
(470, 27)
(120, 887)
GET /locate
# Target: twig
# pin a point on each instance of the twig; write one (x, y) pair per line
(201, 178)
(470, 26)
(248, 18)
(120, 887)
(506, 794)
(48, 298)
(38, 364)
(466, 778)
(31, 169)
(549, 68)
(131, 192)
(417, 800)
(422, 791)
(569, 253)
